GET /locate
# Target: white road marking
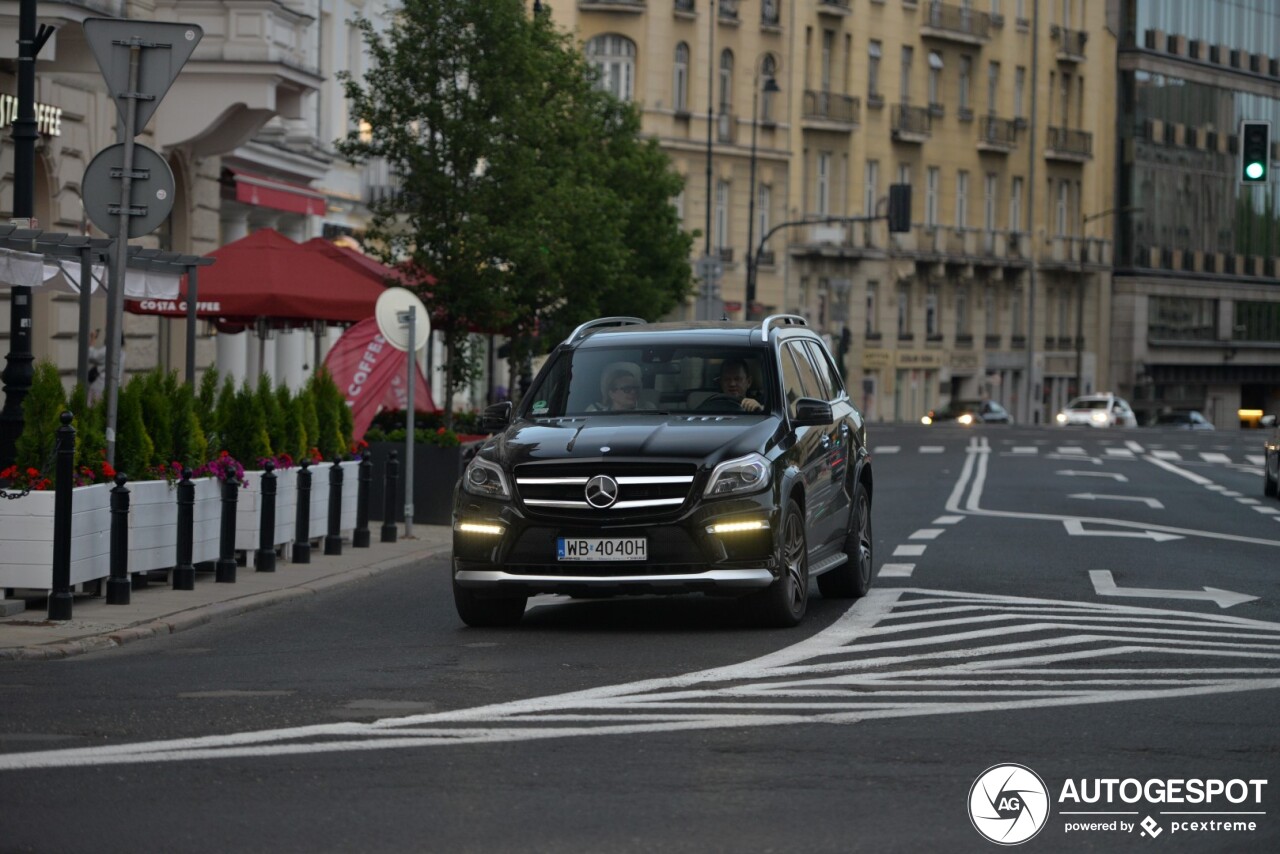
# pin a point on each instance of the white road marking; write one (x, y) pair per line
(1133, 446)
(1076, 529)
(926, 534)
(1104, 585)
(931, 449)
(907, 550)
(1090, 496)
(947, 520)
(1026, 449)
(1215, 458)
(1121, 453)
(897, 570)
(1232, 494)
(887, 449)
(1071, 449)
(1269, 511)
(1256, 459)
(1170, 467)
(890, 656)
(1215, 487)
(1117, 477)
(1166, 455)
(1248, 501)
(1075, 458)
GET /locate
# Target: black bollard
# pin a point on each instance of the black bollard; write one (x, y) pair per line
(264, 559)
(360, 536)
(184, 574)
(302, 532)
(118, 585)
(389, 499)
(60, 595)
(225, 568)
(333, 540)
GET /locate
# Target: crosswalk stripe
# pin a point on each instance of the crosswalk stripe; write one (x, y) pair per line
(1166, 455)
(897, 570)
(1122, 453)
(1026, 449)
(1071, 449)
(1268, 511)
(907, 550)
(947, 520)
(1248, 501)
(1256, 459)
(887, 449)
(1215, 458)
(926, 534)
(931, 449)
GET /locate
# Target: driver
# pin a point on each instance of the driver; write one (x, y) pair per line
(735, 382)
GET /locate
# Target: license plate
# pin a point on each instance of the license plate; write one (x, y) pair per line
(602, 548)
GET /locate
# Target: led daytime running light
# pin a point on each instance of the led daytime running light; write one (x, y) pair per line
(479, 528)
(736, 527)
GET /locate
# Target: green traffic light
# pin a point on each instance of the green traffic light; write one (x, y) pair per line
(1254, 170)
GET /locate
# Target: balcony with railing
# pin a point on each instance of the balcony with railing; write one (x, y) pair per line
(1070, 43)
(910, 124)
(770, 13)
(955, 24)
(379, 182)
(830, 110)
(996, 135)
(632, 6)
(1077, 254)
(1067, 144)
(727, 11)
(835, 7)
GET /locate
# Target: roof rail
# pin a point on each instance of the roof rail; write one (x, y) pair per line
(582, 330)
(782, 320)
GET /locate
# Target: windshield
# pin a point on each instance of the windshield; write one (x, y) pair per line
(1088, 403)
(620, 380)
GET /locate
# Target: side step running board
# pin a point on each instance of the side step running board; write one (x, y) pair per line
(828, 564)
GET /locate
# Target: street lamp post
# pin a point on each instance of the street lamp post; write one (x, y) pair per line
(753, 257)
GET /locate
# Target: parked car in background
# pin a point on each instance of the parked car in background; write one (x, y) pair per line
(968, 412)
(1182, 419)
(1098, 410)
(1271, 467)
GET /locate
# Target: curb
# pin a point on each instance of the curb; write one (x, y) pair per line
(180, 621)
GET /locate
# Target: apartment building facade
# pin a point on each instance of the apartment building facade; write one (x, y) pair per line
(999, 114)
(1197, 308)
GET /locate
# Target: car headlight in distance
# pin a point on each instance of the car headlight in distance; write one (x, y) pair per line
(485, 478)
(926, 420)
(1100, 417)
(965, 419)
(739, 477)
(1061, 418)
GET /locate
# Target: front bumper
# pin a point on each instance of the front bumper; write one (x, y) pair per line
(520, 559)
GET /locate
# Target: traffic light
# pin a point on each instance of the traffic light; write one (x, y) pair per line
(899, 207)
(1255, 152)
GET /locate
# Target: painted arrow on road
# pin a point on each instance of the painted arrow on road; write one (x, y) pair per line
(1112, 475)
(1090, 496)
(1105, 585)
(1076, 529)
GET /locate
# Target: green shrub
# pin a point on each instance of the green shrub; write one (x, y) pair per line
(41, 411)
(272, 415)
(156, 397)
(305, 405)
(244, 427)
(134, 447)
(329, 405)
(223, 410)
(190, 446)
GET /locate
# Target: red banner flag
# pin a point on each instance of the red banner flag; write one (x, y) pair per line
(371, 374)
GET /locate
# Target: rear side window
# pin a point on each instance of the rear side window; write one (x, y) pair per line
(826, 370)
(811, 385)
(792, 385)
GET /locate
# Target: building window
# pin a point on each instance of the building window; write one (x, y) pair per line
(962, 199)
(768, 69)
(873, 323)
(931, 321)
(873, 70)
(1019, 88)
(989, 311)
(993, 87)
(904, 309)
(962, 311)
(680, 78)
(726, 82)
(1015, 311)
(935, 78)
(904, 173)
(722, 215)
(1064, 311)
(904, 85)
(828, 47)
(990, 190)
(1256, 321)
(870, 187)
(822, 195)
(763, 201)
(931, 197)
(614, 59)
(1060, 214)
(1187, 318)
(1015, 205)
(966, 76)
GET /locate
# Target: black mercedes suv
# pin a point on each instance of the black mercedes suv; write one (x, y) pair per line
(719, 458)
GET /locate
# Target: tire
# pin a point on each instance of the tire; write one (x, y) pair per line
(852, 580)
(483, 613)
(1269, 484)
(783, 603)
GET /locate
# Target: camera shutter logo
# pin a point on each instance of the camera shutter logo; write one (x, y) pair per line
(1008, 804)
(602, 491)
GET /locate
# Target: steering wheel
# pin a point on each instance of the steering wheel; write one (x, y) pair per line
(720, 402)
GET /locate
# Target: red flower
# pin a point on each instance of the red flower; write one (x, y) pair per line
(11, 471)
(33, 472)
(108, 470)
(440, 432)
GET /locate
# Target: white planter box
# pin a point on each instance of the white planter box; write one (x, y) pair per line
(153, 525)
(207, 513)
(26, 538)
(249, 509)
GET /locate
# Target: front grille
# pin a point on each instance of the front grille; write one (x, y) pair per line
(644, 489)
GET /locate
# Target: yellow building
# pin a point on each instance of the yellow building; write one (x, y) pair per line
(1000, 114)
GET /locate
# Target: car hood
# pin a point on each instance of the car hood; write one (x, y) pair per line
(703, 438)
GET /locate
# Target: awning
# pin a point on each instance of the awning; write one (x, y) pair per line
(63, 273)
(273, 193)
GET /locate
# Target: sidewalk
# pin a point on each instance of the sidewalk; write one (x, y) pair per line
(159, 609)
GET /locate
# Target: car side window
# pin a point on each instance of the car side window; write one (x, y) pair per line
(826, 370)
(792, 385)
(813, 385)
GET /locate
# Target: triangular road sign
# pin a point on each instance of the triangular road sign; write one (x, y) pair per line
(165, 48)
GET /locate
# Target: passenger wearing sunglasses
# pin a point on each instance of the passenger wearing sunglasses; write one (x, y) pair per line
(621, 391)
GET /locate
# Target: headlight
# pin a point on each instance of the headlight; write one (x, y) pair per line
(485, 478)
(1062, 418)
(965, 419)
(739, 477)
(1100, 417)
(926, 420)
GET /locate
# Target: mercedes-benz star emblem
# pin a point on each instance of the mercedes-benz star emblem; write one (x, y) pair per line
(602, 491)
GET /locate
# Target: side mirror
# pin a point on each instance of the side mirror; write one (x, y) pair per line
(496, 418)
(811, 412)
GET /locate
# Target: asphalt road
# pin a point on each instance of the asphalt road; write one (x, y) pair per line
(368, 718)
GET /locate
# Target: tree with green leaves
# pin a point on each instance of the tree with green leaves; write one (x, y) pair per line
(42, 412)
(526, 193)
